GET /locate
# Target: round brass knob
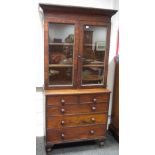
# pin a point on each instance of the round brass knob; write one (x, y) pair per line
(62, 135)
(93, 119)
(62, 110)
(94, 99)
(62, 122)
(62, 101)
(93, 108)
(92, 132)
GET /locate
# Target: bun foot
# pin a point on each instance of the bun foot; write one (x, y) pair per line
(101, 142)
(48, 148)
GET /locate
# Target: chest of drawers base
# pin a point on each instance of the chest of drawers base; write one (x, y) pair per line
(76, 116)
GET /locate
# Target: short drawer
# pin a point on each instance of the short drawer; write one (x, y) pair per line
(76, 133)
(62, 100)
(94, 98)
(77, 109)
(76, 120)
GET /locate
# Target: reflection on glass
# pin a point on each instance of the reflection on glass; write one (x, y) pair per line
(60, 76)
(94, 46)
(92, 75)
(61, 42)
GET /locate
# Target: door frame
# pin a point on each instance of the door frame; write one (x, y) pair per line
(46, 52)
(80, 53)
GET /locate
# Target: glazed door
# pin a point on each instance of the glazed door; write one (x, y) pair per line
(93, 54)
(61, 59)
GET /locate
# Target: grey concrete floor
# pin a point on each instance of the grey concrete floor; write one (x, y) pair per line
(111, 147)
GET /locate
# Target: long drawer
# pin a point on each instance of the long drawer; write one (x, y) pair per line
(77, 109)
(76, 133)
(58, 100)
(75, 120)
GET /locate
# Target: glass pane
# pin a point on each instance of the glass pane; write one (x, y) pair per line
(61, 43)
(60, 76)
(94, 46)
(92, 75)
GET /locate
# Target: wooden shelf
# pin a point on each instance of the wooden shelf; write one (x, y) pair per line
(92, 78)
(89, 44)
(94, 65)
(60, 65)
(62, 44)
(92, 45)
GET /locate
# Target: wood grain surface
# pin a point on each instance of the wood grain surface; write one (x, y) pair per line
(76, 120)
(77, 109)
(76, 91)
(76, 133)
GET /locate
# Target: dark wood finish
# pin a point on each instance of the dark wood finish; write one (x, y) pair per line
(74, 99)
(81, 49)
(49, 8)
(106, 58)
(94, 98)
(114, 126)
(88, 37)
(75, 112)
(56, 15)
(46, 44)
(77, 108)
(62, 100)
(46, 81)
(76, 120)
(76, 133)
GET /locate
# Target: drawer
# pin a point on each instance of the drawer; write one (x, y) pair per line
(62, 100)
(94, 98)
(76, 133)
(77, 109)
(75, 120)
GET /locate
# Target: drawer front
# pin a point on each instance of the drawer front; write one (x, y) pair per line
(77, 109)
(62, 100)
(75, 120)
(76, 133)
(94, 98)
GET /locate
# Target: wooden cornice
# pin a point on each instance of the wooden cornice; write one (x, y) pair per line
(49, 8)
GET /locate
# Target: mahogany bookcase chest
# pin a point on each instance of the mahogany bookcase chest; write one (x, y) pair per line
(76, 51)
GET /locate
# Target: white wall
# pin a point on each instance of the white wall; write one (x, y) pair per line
(112, 52)
(108, 4)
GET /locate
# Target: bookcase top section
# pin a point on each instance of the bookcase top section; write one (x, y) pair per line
(48, 8)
